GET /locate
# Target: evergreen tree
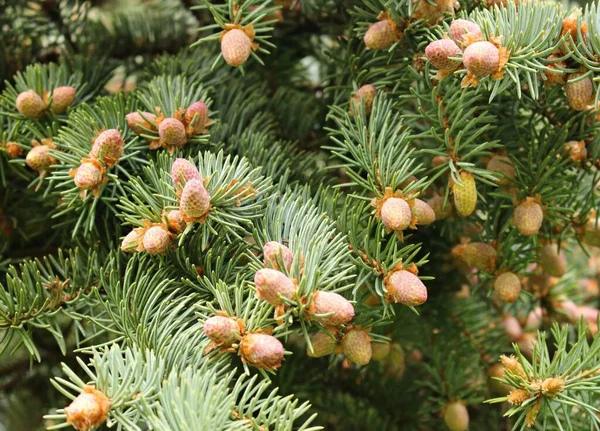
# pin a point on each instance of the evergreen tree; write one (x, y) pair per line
(299, 215)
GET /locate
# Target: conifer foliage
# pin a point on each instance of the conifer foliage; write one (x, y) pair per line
(299, 215)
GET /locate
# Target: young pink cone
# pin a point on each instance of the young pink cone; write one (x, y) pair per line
(62, 98)
(182, 171)
(406, 288)
(508, 287)
(579, 93)
(271, 285)
(456, 416)
(195, 200)
(481, 58)
(504, 167)
(136, 122)
(396, 214)
(131, 242)
(422, 212)
(439, 52)
(236, 47)
(156, 240)
(171, 132)
(39, 158)
(380, 35)
(262, 351)
(553, 263)
(323, 344)
(88, 176)
(365, 93)
(460, 27)
(222, 330)
(30, 104)
(275, 252)
(176, 222)
(109, 145)
(528, 217)
(197, 110)
(356, 345)
(330, 302)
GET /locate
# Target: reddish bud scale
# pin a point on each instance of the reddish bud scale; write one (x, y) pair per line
(406, 288)
(322, 343)
(508, 287)
(553, 263)
(579, 93)
(460, 27)
(528, 217)
(262, 351)
(62, 98)
(577, 151)
(275, 252)
(439, 52)
(156, 240)
(137, 123)
(39, 158)
(503, 166)
(131, 242)
(356, 345)
(171, 132)
(195, 200)
(182, 171)
(236, 47)
(396, 214)
(422, 212)
(330, 302)
(199, 111)
(88, 176)
(380, 35)
(465, 194)
(365, 94)
(271, 285)
(13, 150)
(30, 104)
(456, 416)
(109, 146)
(222, 330)
(176, 222)
(481, 58)
(88, 411)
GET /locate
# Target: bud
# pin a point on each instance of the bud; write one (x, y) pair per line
(30, 104)
(222, 330)
(481, 58)
(322, 343)
(557, 78)
(460, 27)
(156, 240)
(512, 327)
(528, 217)
(62, 97)
(236, 47)
(477, 255)
(440, 210)
(325, 302)
(507, 286)
(88, 175)
(534, 319)
(195, 200)
(109, 146)
(577, 151)
(396, 214)
(131, 242)
(171, 132)
(182, 171)
(13, 150)
(137, 123)
(88, 411)
(197, 110)
(591, 233)
(274, 252)
(365, 93)
(553, 263)
(380, 35)
(553, 386)
(503, 166)
(176, 222)
(356, 345)
(465, 195)
(511, 365)
(456, 416)
(422, 212)
(271, 284)
(405, 288)
(39, 158)
(439, 52)
(579, 93)
(262, 351)
(518, 397)
(380, 351)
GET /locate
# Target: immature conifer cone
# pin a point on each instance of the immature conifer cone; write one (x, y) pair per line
(477, 255)
(504, 167)
(356, 345)
(62, 97)
(275, 252)
(39, 158)
(156, 240)
(236, 47)
(88, 411)
(406, 288)
(13, 150)
(270, 284)
(440, 210)
(579, 93)
(577, 151)
(513, 328)
(439, 52)
(171, 132)
(199, 110)
(528, 217)
(182, 170)
(497, 371)
(136, 122)
(330, 302)
(456, 416)
(88, 175)
(222, 330)
(380, 351)
(365, 93)
(395, 365)
(460, 27)
(109, 145)
(262, 351)
(195, 200)
(591, 233)
(465, 195)
(481, 58)
(380, 35)
(176, 222)
(507, 286)
(423, 212)
(396, 214)
(30, 104)
(553, 263)
(323, 344)
(131, 242)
